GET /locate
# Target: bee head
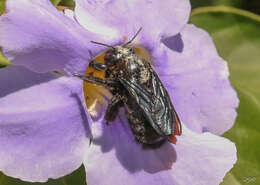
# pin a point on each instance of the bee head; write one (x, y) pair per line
(116, 54)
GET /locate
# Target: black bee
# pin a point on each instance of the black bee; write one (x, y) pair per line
(136, 86)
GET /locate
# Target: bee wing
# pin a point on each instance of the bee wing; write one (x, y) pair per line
(156, 105)
(169, 118)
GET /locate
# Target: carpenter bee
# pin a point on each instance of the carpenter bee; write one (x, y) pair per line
(136, 86)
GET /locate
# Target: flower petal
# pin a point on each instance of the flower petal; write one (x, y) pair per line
(198, 159)
(114, 18)
(69, 13)
(197, 81)
(35, 34)
(43, 127)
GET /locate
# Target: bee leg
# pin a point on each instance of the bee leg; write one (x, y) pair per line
(110, 84)
(113, 107)
(107, 73)
(98, 66)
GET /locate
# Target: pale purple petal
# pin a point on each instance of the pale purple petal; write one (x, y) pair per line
(115, 158)
(197, 80)
(43, 125)
(69, 13)
(114, 19)
(35, 34)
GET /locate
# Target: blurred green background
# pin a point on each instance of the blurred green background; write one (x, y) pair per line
(250, 5)
(235, 28)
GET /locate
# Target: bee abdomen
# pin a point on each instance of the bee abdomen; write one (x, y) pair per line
(143, 132)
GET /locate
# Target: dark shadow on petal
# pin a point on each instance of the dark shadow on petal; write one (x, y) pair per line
(118, 136)
(83, 115)
(175, 43)
(106, 141)
(15, 78)
(205, 129)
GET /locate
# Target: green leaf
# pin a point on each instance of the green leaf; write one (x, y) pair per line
(230, 180)
(236, 34)
(233, 3)
(3, 61)
(55, 2)
(76, 178)
(67, 3)
(2, 6)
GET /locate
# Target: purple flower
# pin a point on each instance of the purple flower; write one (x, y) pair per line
(44, 125)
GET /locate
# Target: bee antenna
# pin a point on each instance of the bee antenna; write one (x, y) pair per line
(133, 37)
(99, 43)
